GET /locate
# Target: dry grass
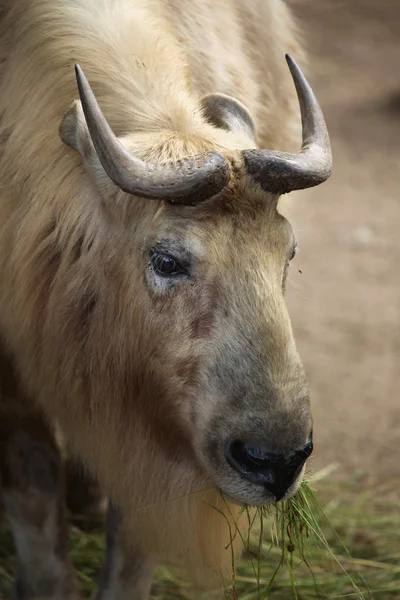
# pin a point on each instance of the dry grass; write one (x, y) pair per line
(345, 544)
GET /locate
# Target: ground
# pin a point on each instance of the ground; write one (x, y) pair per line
(346, 304)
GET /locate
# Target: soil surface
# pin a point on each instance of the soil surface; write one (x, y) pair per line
(345, 305)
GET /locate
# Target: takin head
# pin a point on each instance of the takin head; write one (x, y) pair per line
(212, 261)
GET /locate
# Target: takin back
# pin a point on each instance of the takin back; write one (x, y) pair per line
(144, 145)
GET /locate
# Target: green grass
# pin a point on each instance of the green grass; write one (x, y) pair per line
(333, 540)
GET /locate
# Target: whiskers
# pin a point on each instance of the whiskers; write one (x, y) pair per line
(297, 287)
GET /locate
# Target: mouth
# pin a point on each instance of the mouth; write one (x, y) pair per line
(250, 474)
(245, 493)
(270, 477)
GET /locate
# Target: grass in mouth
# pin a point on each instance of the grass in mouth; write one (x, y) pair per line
(284, 538)
(294, 549)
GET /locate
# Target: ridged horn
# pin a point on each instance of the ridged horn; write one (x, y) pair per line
(188, 181)
(282, 172)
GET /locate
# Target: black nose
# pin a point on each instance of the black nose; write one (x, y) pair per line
(276, 472)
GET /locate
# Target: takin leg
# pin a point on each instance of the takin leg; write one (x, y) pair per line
(32, 492)
(127, 575)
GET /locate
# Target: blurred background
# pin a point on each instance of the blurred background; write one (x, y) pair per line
(345, 305)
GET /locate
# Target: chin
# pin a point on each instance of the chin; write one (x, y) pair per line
(246, 494)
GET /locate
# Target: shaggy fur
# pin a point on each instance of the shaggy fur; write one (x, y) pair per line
(145, 382)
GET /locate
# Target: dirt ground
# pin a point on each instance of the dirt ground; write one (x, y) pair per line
(346, 303)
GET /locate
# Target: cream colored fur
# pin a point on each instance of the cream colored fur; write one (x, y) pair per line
(149, 63)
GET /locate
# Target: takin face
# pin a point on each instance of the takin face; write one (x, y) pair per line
(248, 417)
(213, 261)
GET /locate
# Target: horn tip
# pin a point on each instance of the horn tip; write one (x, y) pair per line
(81, 80)
(292, 64)
(80, 75)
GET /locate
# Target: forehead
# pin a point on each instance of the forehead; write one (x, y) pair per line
(261, 230)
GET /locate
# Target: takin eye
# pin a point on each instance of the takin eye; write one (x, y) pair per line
(165, 265)
(290, 257)
(295, 250)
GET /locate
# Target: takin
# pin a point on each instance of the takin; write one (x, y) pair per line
(144, 145)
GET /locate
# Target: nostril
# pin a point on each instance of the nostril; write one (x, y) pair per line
(255, 462)
(250, 457)
(304, 453)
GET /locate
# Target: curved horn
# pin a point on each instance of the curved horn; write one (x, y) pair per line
(188, 181)
(281, 172)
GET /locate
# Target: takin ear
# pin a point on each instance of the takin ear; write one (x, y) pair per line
(74, 132)
(228, 113)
